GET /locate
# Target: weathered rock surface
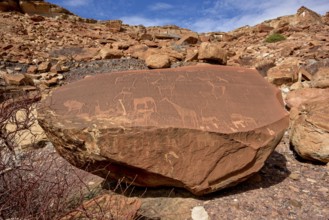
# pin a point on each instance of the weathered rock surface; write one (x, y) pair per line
(158, 61)
(200, 128)
(212, 52)
(295, 98)
(310, 130)
(321, 78)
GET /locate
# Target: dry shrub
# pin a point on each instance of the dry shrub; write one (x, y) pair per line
(38, 184)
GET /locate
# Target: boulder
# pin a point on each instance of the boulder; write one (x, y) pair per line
(17, 79)
(202, 128)
(212, 52)
(157, 61)
(110, 53)
(295, 98)
(309, 134)
(188, 39)
(285, 72)
(321, 78)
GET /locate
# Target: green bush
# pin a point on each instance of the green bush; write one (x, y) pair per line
(275, 38)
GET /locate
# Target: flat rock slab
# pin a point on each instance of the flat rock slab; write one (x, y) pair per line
(201, 128)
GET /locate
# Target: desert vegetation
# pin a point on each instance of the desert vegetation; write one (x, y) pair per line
(275, 38)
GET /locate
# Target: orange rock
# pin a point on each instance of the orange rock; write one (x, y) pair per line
(321, 78)
(298, 97)
(310, 130)
(212, 52)
(158, 61)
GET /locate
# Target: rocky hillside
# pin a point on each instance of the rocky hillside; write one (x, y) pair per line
(50, 38)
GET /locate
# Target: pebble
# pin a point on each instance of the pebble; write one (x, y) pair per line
(310, 180)
(294, 188)
(295, 203)
(294, 176)
(324, 189)
(199, 213)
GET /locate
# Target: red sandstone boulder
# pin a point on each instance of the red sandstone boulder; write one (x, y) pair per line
(201, 128)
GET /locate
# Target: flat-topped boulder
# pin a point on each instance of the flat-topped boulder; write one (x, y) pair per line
(202, 128)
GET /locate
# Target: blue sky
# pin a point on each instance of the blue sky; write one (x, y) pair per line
(200, 16)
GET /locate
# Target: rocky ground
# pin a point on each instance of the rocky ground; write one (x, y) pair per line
(40, 50)
(287, 187)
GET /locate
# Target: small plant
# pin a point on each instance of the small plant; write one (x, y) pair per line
(275, 38)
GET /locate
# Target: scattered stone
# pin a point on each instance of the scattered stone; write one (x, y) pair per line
(17, 79)
(44, 67)
(160, 104)
(32, 69)
(52, 82)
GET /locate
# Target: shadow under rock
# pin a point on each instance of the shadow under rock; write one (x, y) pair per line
(273, 172)
(303, 160)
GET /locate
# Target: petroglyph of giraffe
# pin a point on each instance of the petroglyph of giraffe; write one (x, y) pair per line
(188, 116)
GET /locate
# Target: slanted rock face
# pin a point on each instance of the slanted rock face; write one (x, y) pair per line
(201, 128)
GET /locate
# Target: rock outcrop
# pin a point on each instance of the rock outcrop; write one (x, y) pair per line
(202, 128)
(31, 7)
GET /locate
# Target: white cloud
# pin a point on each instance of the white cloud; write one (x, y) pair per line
(160, 6)
(137, 20)
(77, 3)
(226, 15)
